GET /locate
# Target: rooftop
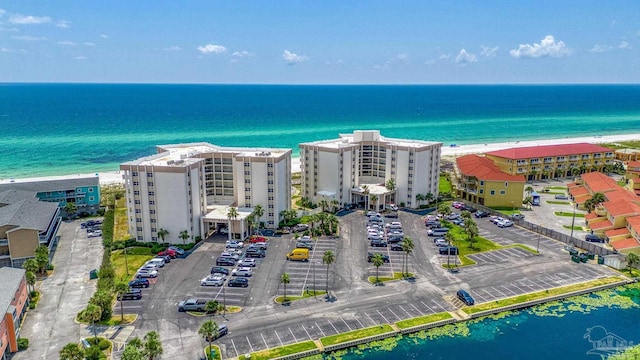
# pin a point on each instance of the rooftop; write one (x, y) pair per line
(601, 225)
(627, 243)
(599, 182)
(10, 279)
(549, 151)
(193, 149)
(484, 169)
(54, 183)
(616, 232)
(358, 136)
(28, 214)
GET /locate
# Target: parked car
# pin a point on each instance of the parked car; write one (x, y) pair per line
(149, 267)
(260, 246)
(450, 250)
(396, 247)
(505, 223)
(219, 270)
(139, 283)
(96, 233)
(257, 239)
(392, 207)
(468, 208)
(593, 238)
(132, 294)
(465, 297)
(145, 273)
(394, 239)
(168, 252)
(166, 258)
(441, 243)
(223, 231)
(304, 245)
(437, 231)
(177, 250)
(216, 279)
(255, 253)
(234, 244)
(222, 330)
(159, 262)
(300, 228)
(242, 271)
(238, 282)
(225, 261)
(370, 255)
(481, 214)
(561, 197)
(229, 254)
(192, 304)
(495, 219)
(248, 262)
(378, 243)
(517, 216)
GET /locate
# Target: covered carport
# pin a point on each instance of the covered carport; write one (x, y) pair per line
(217, 217)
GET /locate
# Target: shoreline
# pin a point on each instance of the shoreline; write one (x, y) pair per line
(114, 177)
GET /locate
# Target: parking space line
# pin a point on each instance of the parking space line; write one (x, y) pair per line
(358, 320)
(323, 334)
(341, 318)
(405, 311)
(305, 330)
(428, 307)
(494, 288)
(294, 337)
(234, 347)
(418, 310)
(251, 346)
(278, 336)
(385, 319)
(334, 328)
(394, 314)
(375, 323)
(509, 290)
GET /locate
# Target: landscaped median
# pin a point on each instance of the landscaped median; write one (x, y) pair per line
(275, 353)
(530, 299)
(423, 320)
(396, 276)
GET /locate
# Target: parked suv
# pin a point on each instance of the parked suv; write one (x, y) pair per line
(378, 243)
(451, 250)
(225, 261)
(385, 257)
(593, 238)
(139, 283)
(219, 270)
(465, 297)
(132, 294)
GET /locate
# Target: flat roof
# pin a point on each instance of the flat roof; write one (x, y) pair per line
(167, 158)
(346, 140)
(219, 213)
(10, 279)
(50, 183)
(193, 149)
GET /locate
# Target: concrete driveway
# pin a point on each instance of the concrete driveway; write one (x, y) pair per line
(51, 325)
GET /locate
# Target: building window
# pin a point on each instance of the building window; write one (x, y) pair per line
(135, 183)
(152, 211)
(151, 193)
(90, 189)
(270, 173)
(247, 181)
(137, 202)
(270, 214)
(149, 175)
(270, 206)
(247, 164)
(269, 165)
(481, 182)
(139, 228)
(137, 211)
(153, 221)
(481, 191)
(140, 238)
(152, 202)
(91, 198)
(136, 193)
(134, 173)
(138, 220)
(150, 183)
(270, 190)
(502, 192)
(493, 192)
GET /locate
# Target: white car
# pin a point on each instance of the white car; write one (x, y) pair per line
(248, 262)
(242, 271)
(224, 231)
(150, 266)
(144, 273)
(216, 279)
(235, 242)
(234, 245)
(393, 207)
(504, 223)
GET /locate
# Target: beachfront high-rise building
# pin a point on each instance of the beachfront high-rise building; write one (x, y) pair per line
(552, 161)
(192, 187)
(369, 169)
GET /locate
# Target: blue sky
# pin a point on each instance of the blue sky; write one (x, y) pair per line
(322, 42)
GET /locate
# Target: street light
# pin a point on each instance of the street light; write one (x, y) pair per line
(539, 235)
(126, 265)
(573, 220)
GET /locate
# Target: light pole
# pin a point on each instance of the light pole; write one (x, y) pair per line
(224, 302)
(573, 221)
(538, 245)
(313, 263)
(126, 264)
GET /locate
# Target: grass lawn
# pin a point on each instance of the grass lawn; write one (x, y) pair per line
(556, 187)
(421, 320)
(444, 186)
(540, 295)
(574, 228)
(396, 276)
(635, 251)
(623, 145)
(280, 299)
(556, 202)
(282, 351)
(136, 257)
(215, 348)
(634, 273)
(568, 214)
(356, 334)
(115, 319)
(120, 226)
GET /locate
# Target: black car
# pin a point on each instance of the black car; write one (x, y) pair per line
(465, 297)
(378, 243)
(593, 238)
(132, 294)
(450, 250)
(396, 247)
(394, 239)
(433, 223)
(238, 282)
(219, 270)
(481, 214)
(224, 261)
(256, 253)
(385, 257)
(468, 208)
(139, 283)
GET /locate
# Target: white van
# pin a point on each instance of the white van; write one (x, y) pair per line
(159, 262)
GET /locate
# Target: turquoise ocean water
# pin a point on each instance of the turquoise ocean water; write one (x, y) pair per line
(55, 129)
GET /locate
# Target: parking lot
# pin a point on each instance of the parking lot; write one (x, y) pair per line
(311, 274)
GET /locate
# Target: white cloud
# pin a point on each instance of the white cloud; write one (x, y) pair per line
(2, 12)
(487, 51)
(88, 43)
(439, 58)
(172, 48)
(599, 48)
(211, 48)
(404, 57)
(243, 53)
(547, 47)
(80, 58)
(624, 45)
(104, 36)
(66, 43)
(63, 24)
(29, 38)
(464, 57)
(28, 19)
(292, 58)
(11, 29)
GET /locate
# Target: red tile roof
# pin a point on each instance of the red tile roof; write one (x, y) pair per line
(619, 208)
(633, 165)
(625, 243)
(634, 223)
(600, 225)
(617, 232)
(549, 150)
(598, 182)
(484, 169)
(577, 191)
(591, 216)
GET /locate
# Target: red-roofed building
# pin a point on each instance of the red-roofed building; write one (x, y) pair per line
(617, 234)
(632, 177)
(628, 243)
(479, 180)
(543, 162)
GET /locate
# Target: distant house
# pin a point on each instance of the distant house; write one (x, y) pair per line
(25, 223)
(83, 191)
(14, 301)
(479, 180)
(544, 162)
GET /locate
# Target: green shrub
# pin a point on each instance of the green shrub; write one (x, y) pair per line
(50, 267)
(23, 344)
(104, 344)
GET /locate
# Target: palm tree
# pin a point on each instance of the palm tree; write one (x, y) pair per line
(324, 204)
(285, 279)
(328, 258)
(334, 205)
(42, 257)
(374, 200)
(529, 201)
(70, 209)
(598, 198)
(31, 280)
(529, 190)
(120, 289)
(471, 229)
(31, 265)
(133, 350)
(407, 247)
(575, 171)
(184, 235)
(211, 306)
(632, 261)
(209, 331)
(232, 214)
(420, 198)
(365, 192)
(152, 345)
(258, 211)
(390, 184)
(162, 233)
(72, 351)
(428, 197)
(377, 261)
(333, 223)
(92, 313)
(322, 217)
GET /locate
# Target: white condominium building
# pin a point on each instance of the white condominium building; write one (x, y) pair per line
(192, 187)
(369, 169)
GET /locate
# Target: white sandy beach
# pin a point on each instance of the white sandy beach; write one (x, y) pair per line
(114, 177)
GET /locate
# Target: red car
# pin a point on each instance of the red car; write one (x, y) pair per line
(171, 253)
(257, 239)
